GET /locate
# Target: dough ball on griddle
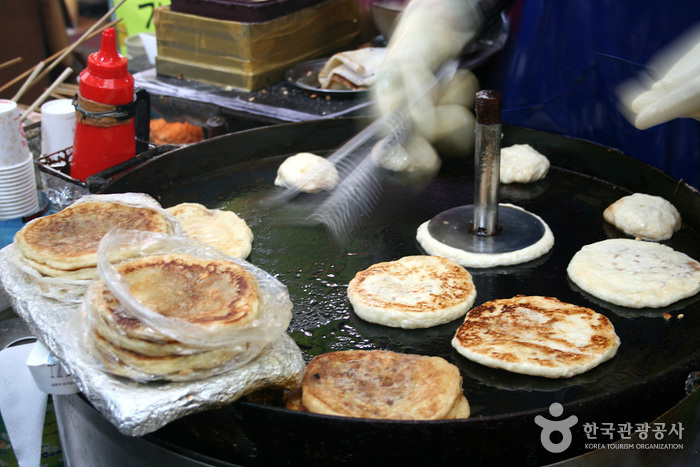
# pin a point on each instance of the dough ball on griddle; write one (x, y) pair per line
(646, 216)
(521, 163)
(307, 172)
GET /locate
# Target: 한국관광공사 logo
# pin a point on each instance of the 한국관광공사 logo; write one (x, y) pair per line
(562, 426)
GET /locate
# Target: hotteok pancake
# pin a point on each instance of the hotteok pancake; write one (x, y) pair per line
(534, 335)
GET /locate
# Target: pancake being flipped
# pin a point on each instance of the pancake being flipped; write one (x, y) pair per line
(380, 384)
(412, 292)
(539, 336)
(215, 294)
(68, 240)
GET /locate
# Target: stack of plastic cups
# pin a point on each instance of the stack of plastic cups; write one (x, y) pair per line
(19, 196)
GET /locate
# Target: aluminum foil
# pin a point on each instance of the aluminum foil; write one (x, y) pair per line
(136, 408)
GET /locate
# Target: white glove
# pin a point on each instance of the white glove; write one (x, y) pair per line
(672, 88)
(430, 34)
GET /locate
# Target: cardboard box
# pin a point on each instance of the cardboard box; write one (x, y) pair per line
(49, 375)
(249, 56)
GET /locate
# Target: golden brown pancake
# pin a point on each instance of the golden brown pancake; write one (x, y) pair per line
(382, 385)
(210, 293)
(114, 323)
(87, 273)
(221, 229)
(535, 335)
(216, 294)
(412, 292)
(293, 401)
(174, 368)
(69, 239)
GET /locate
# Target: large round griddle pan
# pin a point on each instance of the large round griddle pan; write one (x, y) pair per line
(646, 377)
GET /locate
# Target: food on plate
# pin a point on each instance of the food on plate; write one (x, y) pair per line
(67, 241)
(466, 258)
(379, 384)
(163, 132)
(539, 336)
(521, 163)
(412, 292)
(414, 155)
(214, 294)
(646, 216)
(221, 229)
(635, 273)
(307, 172)
(352, 70)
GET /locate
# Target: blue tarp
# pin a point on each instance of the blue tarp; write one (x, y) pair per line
(564, 59)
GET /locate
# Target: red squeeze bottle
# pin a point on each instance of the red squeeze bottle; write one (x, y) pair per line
(104, 130)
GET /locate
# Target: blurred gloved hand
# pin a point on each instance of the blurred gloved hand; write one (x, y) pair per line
(429, 35)
(670, 90)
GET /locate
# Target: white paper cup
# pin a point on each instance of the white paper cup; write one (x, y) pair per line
(24, 209)
(19, 180)
(19, 195)
(19, 167)
(18, 172)
(57, 125)
(13, 143)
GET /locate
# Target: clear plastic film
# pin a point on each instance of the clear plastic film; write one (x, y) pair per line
(134, 408)
(70, 286)
(138, 200)
(176, 348)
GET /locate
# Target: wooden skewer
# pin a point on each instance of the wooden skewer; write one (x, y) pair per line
(52, 57)
(46, 93)
(82, 39)
(28, 82)
(10, 62)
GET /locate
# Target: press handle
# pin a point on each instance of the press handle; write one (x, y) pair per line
(487, 162)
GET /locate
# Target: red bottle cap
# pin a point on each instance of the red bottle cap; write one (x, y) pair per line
(107, 79)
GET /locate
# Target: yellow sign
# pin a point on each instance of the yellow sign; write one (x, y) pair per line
(136, 16)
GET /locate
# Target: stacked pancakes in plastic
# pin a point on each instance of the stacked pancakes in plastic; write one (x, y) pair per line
(187, 292)
(156, 301)
(167, 307)
(59, 251)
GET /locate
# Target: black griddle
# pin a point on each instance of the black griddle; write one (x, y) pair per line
(643, 380)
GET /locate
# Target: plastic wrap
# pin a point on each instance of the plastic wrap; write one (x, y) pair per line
(136, 408)
(217, 348)
(275, 308)
(70, 289)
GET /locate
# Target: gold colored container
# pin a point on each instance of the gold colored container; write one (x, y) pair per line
(249, 56)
